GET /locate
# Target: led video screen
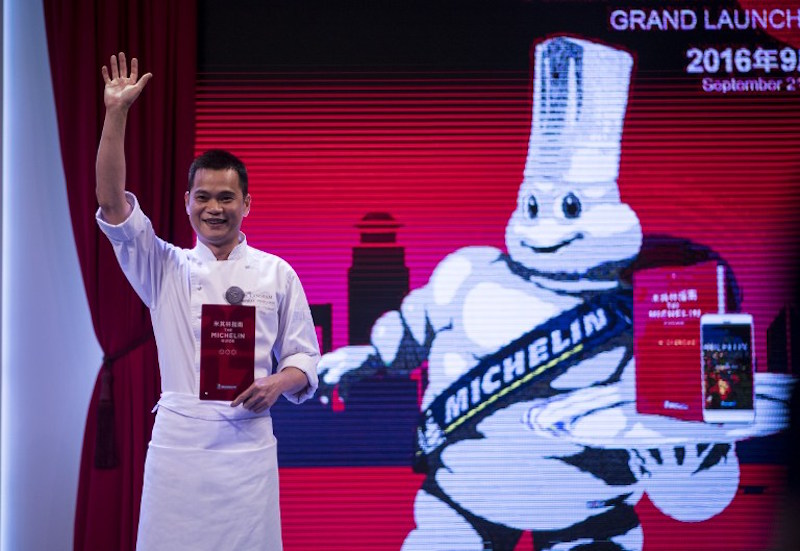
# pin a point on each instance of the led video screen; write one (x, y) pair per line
(550, 249)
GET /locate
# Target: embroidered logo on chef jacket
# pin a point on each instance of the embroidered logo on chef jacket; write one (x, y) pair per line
(261, 299)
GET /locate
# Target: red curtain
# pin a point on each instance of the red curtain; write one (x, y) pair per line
(82, 35)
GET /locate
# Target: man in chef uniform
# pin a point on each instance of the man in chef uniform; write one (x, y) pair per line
(211, 474)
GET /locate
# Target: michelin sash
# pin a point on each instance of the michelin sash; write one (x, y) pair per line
(523, 369)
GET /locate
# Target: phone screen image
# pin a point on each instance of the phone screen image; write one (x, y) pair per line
(727, 361)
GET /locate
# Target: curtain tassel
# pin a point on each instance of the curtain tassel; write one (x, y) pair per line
(105, 448)
(105, 453)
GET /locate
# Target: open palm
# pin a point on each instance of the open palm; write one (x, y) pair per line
(121, 88)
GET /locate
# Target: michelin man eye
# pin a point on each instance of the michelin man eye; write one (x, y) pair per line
(571, 206)
(533, 207)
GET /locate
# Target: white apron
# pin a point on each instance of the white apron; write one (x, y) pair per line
(210, 479)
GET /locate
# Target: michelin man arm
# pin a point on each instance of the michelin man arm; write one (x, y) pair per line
(400, 342)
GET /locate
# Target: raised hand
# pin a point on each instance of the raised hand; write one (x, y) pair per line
(121, 88)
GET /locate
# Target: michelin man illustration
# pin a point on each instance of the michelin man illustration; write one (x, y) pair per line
(528, 417)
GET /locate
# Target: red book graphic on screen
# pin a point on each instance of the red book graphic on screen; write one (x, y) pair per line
(227, 350)
(667, 305)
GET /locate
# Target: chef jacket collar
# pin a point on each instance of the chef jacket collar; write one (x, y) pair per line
(204, 254)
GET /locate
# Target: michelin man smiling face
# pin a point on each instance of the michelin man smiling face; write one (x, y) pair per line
(569, 223)
(571, 230)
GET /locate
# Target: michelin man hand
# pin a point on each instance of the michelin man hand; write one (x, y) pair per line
(690, 483)
(334, 365)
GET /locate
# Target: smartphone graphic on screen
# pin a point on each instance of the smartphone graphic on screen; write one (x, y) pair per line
(727, 361)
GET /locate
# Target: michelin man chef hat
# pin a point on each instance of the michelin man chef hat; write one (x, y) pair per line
(579, 97)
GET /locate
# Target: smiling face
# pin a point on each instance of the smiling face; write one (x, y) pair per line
(216, 206)
(570, 229)
(570, 225)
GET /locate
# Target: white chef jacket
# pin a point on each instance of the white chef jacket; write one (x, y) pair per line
(211, 470)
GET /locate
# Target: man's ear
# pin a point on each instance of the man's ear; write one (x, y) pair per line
(186, 201)
(247, 205)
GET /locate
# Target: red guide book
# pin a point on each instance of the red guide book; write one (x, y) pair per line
(227, 350)
(667, 305)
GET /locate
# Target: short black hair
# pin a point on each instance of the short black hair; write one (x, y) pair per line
(219, 159)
